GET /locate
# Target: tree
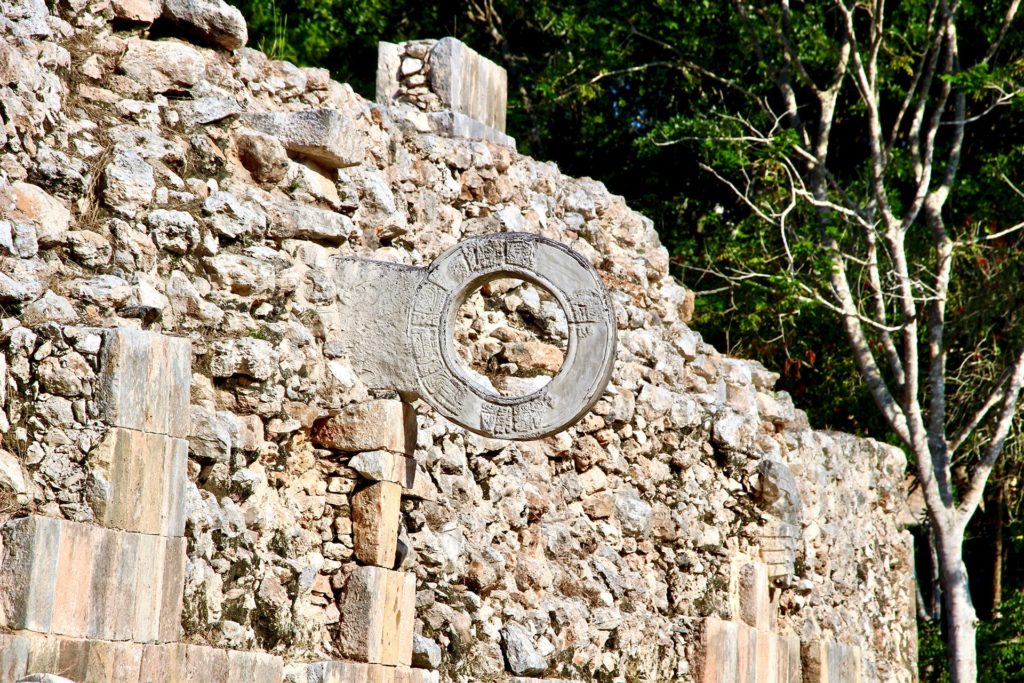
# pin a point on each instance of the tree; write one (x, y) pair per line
(854, 162)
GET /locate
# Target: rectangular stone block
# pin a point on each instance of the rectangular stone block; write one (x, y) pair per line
(72, 658)
(146, 474)
(468, 83)
(407, 675)
(72, 593)
(144, 377)
(43, 652)
(375, 521)
(13, 656)
(720, 646)
(205, 664)
(172, 589)
(29, 549)
(377, 610)
(823, 662)
(149, 577)
(789, 659)
(326, 136)
(110, 662)
(752, 596)
(162, 662)
(378, 424)
(254, 667)
(388, 466)
(105, 594)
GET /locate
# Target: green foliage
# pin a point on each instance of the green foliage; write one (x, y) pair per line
(1000, 644)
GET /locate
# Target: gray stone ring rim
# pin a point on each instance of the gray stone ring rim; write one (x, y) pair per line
(442, 379)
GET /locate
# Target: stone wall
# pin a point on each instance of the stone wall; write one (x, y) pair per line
(692, 526)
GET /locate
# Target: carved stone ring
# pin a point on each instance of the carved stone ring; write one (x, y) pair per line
(422, 305)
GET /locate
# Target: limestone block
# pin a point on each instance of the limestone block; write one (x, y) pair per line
(162, 662)
(29, 547)
(338, 671)
(108, 598)
(78, 558)
(146, 474)
(254, 667)
(377, 611)
(375, 521)
(204, 664)
(468, 83)
(387, 466)
(72, 659)
(720, 641)
(149, 596)
(327, 136)
(389, 60)
(752, 599)
(43, 652)
(380, 424)
(109, 662)
(455, 125)
(172, 589)
(824, 662)
(145, 379)
(789, 659)
(13, 656)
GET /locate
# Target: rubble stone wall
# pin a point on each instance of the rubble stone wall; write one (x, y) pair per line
(691, 527)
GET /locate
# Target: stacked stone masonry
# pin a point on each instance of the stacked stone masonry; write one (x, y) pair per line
(194, 476)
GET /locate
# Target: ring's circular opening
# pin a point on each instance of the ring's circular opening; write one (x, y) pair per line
(511, 336)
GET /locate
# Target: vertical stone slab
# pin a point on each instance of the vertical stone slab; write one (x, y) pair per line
(145, 381)
(375, 521)
(791, 652)
(205, 664)
(172, 514)
(468, 83)
(721, 652)
(13, 656)
(254, 667)
(72, 594)
(110, 662)
(376, 610)
(122, 588)
(814, 662)
(124, 376)
(29, 550)
(103, 597)
(164, 662)
(389, 61)
(172, 589)
(754, 599)
(43, 652)
(844, 663)
(149, 577)
(179, 386)
(72, 658)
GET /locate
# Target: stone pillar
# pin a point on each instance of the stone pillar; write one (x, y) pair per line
(458, 92)
(102, 602)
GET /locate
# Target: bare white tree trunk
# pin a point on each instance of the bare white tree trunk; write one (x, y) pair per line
(961, 620)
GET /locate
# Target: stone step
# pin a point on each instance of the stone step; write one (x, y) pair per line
(733, 651)
(377, 611)
(145, 382)
(85, 581)
(144, 478)
(337, 671)
(104, 661)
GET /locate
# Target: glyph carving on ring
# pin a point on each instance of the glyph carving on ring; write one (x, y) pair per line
(450, 390)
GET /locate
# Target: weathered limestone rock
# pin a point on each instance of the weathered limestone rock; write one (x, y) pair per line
(377, 616)
(51, 217)
(824, 662)
(247, 356)
(426, 653)
(264, 156)
(211, 21)
(327, 136)
(128, 183)
(163, 66)
(375, 521)
(142, 11)
(383, 424)
(520, 652)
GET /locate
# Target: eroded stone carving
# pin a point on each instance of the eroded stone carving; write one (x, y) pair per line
(392, 313)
